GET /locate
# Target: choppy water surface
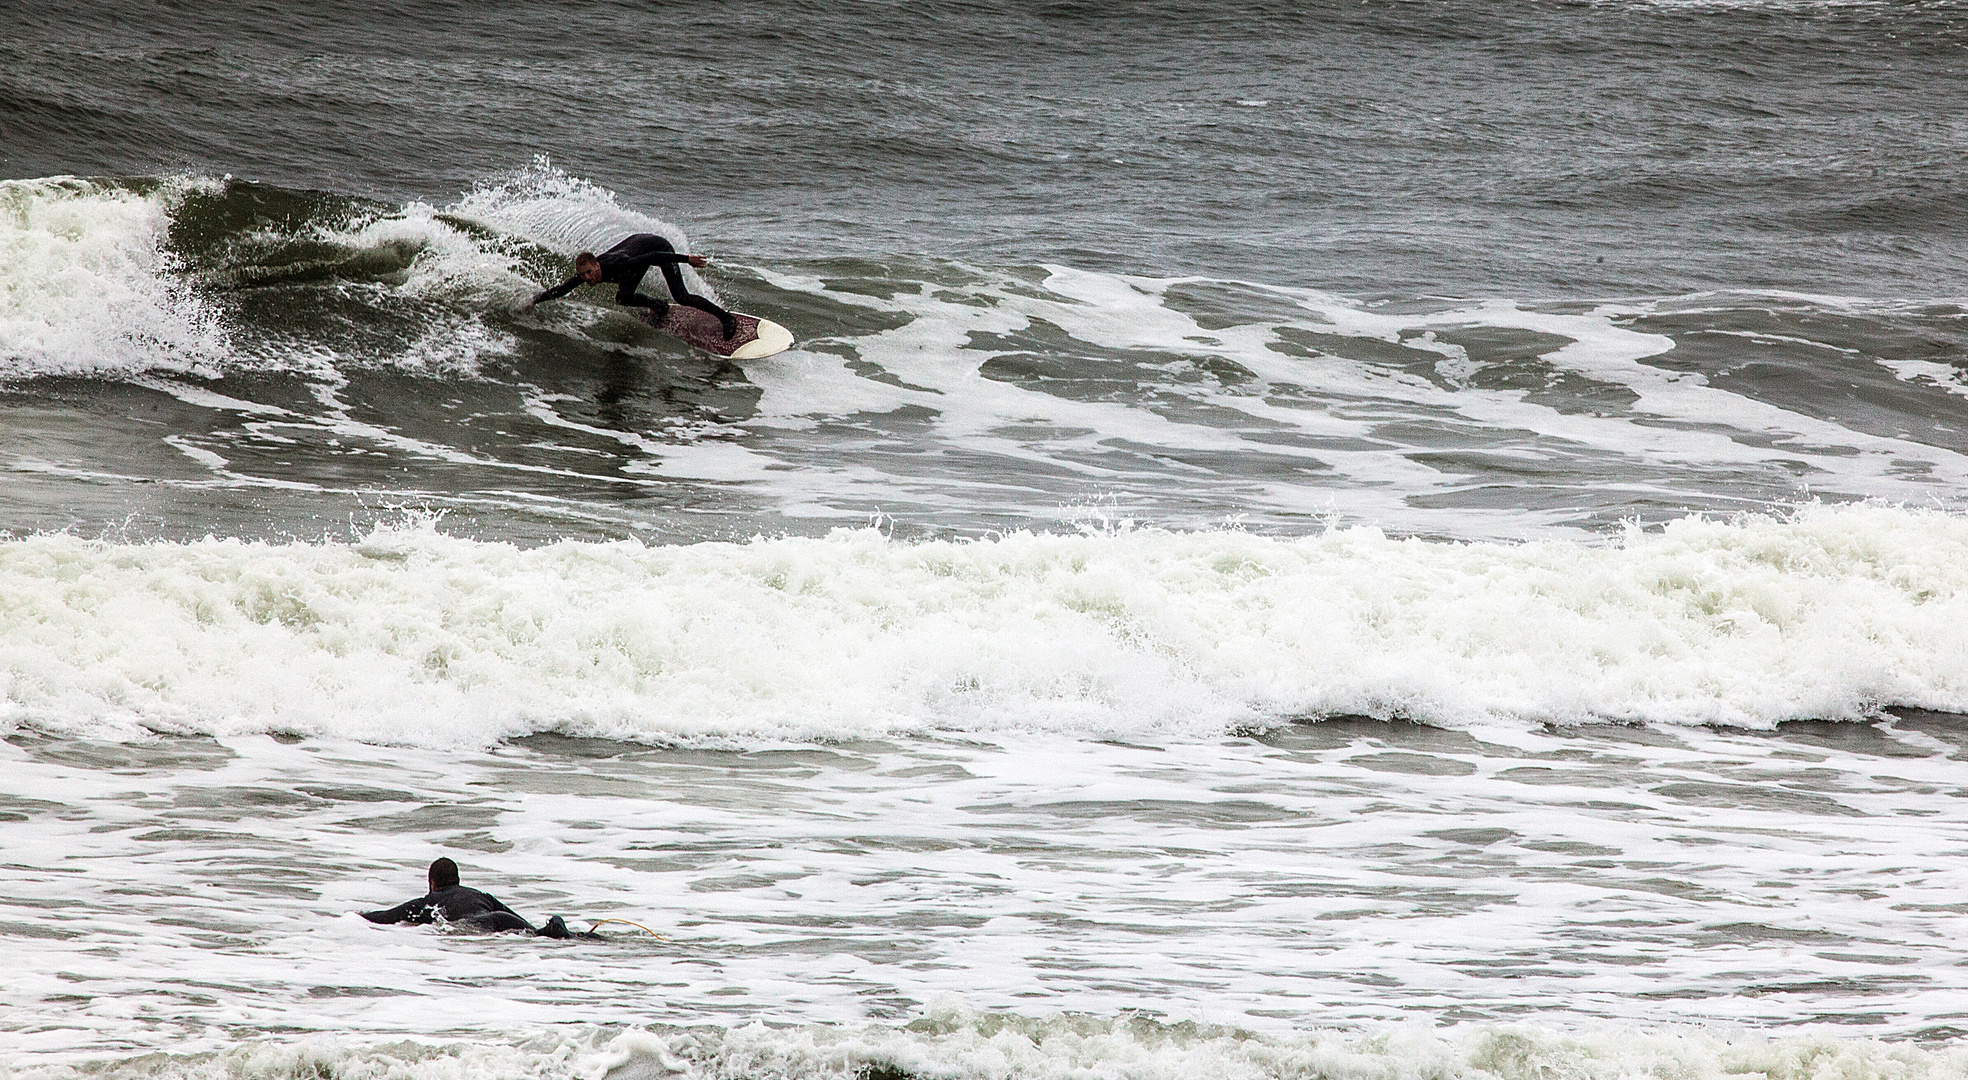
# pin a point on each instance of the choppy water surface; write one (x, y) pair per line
(1357, 540)
(1526, 148)
(272, 365)
(186, 892)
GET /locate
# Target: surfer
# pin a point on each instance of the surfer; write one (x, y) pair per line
(462, 907)
(626, 263)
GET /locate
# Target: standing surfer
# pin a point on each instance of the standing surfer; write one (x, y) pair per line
(626, 263)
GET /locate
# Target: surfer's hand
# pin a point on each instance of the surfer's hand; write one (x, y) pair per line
(698, 260)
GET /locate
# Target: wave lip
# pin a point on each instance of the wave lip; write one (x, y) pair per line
(418, 638)
(543, 205)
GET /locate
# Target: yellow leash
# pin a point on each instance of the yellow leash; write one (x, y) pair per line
(626, 922)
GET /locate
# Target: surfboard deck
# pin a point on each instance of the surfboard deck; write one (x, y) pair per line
(755, 338)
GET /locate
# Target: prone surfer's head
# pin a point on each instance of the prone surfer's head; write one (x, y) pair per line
(587, 267)
(443, 874)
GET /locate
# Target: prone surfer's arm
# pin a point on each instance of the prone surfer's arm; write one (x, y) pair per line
(408, 911)
(559, 290)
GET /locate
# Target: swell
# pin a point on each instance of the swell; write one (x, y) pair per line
(321, 342)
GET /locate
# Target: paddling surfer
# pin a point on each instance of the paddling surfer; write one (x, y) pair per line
(626, 263)
(461, 907)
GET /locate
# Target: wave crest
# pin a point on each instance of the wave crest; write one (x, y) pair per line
(414, 637)
(203, 276)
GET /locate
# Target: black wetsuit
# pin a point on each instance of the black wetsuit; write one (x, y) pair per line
(626, 263)
(467, 908)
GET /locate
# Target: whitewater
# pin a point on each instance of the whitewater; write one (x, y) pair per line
(1365, 541)
(1042, 672)
(413, 637)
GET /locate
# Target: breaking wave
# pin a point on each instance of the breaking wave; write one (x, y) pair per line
(411, 636)
(955, 1044)
(208, 277)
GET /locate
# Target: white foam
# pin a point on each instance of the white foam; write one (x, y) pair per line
(1704, 418)
(1947, 377)
(415, 637)
(953, 1043)
(1307, 436)
(1787, 7)
(1321, 421)
(450, 263)
(87, 286)
(181, 892)
(1045, 443)
(958, 1044)
(91, 289)
(544, 205)
(470, 273)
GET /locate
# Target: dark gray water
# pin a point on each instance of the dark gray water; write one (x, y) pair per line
(1767, 192)
(1520, 149)
(1339, 539)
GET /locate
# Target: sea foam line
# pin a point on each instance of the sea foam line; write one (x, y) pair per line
(414, 637)
(958, 1044)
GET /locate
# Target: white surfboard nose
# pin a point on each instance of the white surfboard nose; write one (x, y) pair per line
(756, 337)
(772, 338)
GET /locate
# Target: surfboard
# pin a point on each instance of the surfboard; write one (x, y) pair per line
(756, 337)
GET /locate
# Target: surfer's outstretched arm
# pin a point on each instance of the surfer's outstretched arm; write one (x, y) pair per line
(667, 260)
(644, 250)
(670, 258)
(559, 290)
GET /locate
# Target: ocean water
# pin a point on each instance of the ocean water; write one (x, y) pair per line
(1388, 540)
